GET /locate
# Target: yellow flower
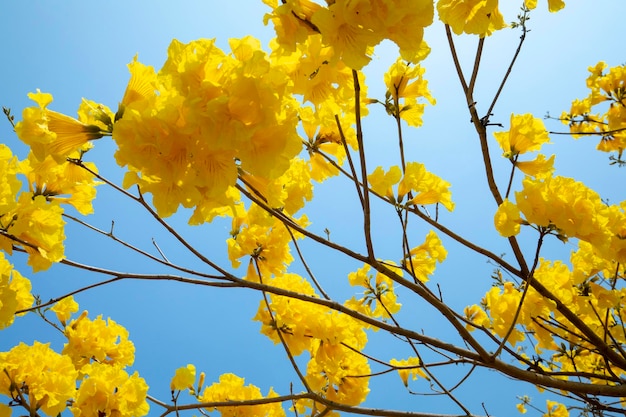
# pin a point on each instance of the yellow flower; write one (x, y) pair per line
(45, 377)
(407, 83)
(568, 205)
(61, 181)
(40, 226)
(141, 86)
(109, 390)
(65, 308)
(502, 307)
(423, 258)
(556, 409)
(408, 367)
(184, 378)
(103, 341)
(476, 315)
(14, 292)
(540, 167)
(350, 39)
(231, 388)
(479, 17)
(526, 134)
(553, 5)
(507, 219)
(426, 186)
(51, 133)
(382, 182)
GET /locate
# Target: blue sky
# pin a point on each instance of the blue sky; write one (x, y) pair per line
(76, 49)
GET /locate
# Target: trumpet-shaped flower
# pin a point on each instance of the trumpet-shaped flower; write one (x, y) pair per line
(526, 134)
(479, 17)
(51, 133)
(507, 219)
(184, 378)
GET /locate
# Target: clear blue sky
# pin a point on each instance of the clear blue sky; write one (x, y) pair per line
(76, 49)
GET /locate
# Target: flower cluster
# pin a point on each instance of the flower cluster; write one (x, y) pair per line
(405, 82)
(586, 116)
(14, 292)
(94, 358)
(335, 369)
(352, 28)
(231, 388)
(207, 116)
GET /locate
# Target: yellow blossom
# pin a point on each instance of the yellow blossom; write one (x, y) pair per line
(479, 17)
(540, 167)
(423, 258)
(525, 134)
(507, 219)
(47, 378)
(109, 390)
(65, 308)
(405, 85)
(51, 133)
(556, 409)
(427, 188)
(184, 378)
(553, 5)
(477, 316)
(231, 388)
(382, 182)
(408, 367)
(103, 341)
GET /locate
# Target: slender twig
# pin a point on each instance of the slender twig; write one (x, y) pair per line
(354, 175)
(359, 137)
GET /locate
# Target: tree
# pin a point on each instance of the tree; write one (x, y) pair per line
(236, 142)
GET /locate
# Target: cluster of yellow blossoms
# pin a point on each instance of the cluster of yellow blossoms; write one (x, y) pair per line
(210, 126)
(555, 205)
(94, 357)
(586, 116)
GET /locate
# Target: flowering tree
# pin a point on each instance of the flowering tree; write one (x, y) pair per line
(244, 137)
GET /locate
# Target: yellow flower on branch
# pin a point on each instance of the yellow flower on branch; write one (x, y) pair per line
(61, 182)
(408, 367)
(423, 258)
(231, 388)
(406, 82)
(15, 292)
(103, 341)
(507, 219)
(38, 227)
(51, 133)
(109, 390)
(540, 167)
(46, 378)
(382, 182)
(427, 188)
(184, 378)
(64, 309)
(526, 134)
(479, 17)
